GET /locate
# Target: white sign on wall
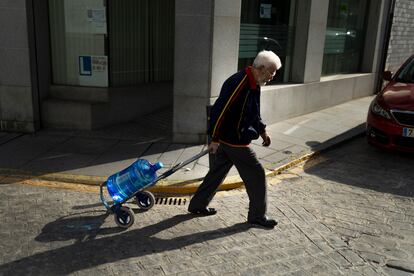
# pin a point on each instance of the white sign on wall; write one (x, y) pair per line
(93, 71)
(265, 10)
(85, 16)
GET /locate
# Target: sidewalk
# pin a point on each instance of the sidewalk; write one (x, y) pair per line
(89, 157)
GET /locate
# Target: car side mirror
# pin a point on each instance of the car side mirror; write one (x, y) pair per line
(387, 75)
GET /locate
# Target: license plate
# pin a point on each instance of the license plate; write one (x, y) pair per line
(408, 132)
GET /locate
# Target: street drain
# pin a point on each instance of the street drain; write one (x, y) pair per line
(170, 201)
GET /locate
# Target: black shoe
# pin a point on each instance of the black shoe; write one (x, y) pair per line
(203, 212)
(264, 221)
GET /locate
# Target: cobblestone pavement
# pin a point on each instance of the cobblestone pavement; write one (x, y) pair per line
(349, 212)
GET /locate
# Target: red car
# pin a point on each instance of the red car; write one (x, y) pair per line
(390, 122)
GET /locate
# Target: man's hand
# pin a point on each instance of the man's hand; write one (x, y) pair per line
(212, 148)
(266, 139)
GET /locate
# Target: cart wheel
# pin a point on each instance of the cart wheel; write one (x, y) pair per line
(124, 217)
(145, 200)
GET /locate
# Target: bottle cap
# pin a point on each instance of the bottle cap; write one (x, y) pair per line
(157, 166)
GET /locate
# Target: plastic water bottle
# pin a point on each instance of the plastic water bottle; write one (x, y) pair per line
(122, 185)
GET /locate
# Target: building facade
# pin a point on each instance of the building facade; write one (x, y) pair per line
(401, 35)
(85, 64)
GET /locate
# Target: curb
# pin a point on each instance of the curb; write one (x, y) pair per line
(62, 180)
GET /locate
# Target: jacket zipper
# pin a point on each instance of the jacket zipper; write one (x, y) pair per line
(241, 115)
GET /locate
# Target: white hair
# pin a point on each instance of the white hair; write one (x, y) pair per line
(267, 59)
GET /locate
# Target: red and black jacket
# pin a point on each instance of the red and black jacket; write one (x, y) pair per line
(235, 116)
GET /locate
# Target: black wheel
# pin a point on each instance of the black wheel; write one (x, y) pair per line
(124, 217)
(145, 200)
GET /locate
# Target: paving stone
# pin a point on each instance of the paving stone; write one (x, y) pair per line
(396, 272)
(339, 260)
(405, 265)
(191, 273)
(174, 268)
(154, 271)
(351, 257)
(220, 269)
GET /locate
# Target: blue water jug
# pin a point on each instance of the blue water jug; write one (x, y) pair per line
(122, 185)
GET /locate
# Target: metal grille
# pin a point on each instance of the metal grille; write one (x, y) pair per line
(407, 142)
(404, 117)
(170, 201)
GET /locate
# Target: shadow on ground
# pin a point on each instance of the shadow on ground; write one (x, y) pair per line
(93, 252)
(79, 227)
(49, 151)
(359, 164)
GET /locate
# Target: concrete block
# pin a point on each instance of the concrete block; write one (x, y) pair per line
(16, 103)
(194, 7)
(13, 28)
(193, 36)
(191, 76)
(309, 40)
(227, 8)
(192, 55)
(313, 66)
(128, 103)
(319, 11)
(101, 107)
(189, 138)
(282, 103)
(279, 102)
(364, 86)
(225, 51)
(342, 90)
(15, 67)
(78, 93)
(317, 32)
(13, 4)
(66, 114)
(18, 126)
(189, 119)
(318, 95)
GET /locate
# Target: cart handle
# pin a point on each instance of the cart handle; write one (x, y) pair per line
(105, 203)
(180, 165)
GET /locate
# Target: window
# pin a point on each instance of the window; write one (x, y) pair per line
(344, 38)
(111, 42)
(141, 41)
(267, 25)
(78, 37)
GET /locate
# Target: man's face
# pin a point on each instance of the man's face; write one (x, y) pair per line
(266, 74)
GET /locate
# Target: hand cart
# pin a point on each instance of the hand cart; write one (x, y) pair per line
(124, 216)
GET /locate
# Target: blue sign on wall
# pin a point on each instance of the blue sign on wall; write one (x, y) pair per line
(85, 65)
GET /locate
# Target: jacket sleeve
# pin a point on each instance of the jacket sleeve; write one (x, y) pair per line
(260, 126)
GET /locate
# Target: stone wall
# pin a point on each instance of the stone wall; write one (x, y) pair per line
(401, 44)
(16, 100)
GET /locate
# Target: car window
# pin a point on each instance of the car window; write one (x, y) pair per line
(406, 75)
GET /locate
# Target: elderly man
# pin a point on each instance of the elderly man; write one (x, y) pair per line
(234, 122)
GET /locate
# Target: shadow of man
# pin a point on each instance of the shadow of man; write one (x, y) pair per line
(78, 227)
(94, 252)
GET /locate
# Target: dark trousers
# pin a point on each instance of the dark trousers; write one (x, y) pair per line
(250, 170)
